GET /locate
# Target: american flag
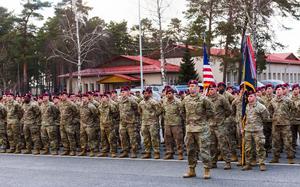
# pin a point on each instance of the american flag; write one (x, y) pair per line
(208, 76)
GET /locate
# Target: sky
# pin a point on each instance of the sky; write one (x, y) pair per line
(119, 10)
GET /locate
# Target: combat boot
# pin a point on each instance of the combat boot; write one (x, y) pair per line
(169, 156)
(45, 152)
(220, 158)
(180, 156)
(65, 153)
(124, 154)
(206, 173)
(291, 161)
(102, 154)
(253, 163)
(18, 151)
(262, 167)
(247, 167)
(227, 166)
(11, 151)
(239, 163)
(234, 158)
(92, 154)
(146, 156)
(82, 153)
(133, 155)
(156, 155)
(113, 155)
(27, 151)
(55, 152)
(275, 160)
(190, 173)
(36, 152)
(2, 150)
(72, 153)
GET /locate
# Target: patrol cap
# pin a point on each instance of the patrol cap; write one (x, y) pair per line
(295, 86)
(193, 82)
(221, 84)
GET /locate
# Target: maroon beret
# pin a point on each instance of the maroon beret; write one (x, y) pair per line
(286, 85)
(278, 86)
(85, 95)
(193, 82)
(269, 86)
(212, 85)
(169, 90)
(125, 88)
(295, 86)
(221, 84)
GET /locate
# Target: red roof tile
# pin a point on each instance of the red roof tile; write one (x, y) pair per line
(282, 58)
(150, 66)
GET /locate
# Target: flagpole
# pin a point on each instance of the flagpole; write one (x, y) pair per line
(141, 47)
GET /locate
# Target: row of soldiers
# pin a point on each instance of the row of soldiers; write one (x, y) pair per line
(209, 125)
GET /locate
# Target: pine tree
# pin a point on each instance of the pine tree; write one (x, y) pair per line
(187, 68)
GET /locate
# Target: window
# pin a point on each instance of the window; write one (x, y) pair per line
(295, 77)
(265, 76)
(274, 76)
(98, 87)
(269, 76)
(278, 76)
(86, 87)
(92, 87)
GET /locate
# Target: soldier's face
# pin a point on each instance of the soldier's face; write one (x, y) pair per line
(63, 97)
(296, 91)
(125, 93)
(279, 92)
(147, 95)
(251, 98)
(193, 88)
(170, 95)
(10, 97)
(285, 91)
(85, 99)
(45, 98)
(104, 98)
(259, 93)
(212, 91)
(269, 90)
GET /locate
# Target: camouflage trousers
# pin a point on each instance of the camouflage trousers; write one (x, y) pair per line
(282, 132)
(68, 137)
(49, 137)
(77, 133)
(32, 136)
(88, 137)
(295, 134)
(14, 135)
(117, 130)
(108, 139)
(220, 142)
(255, 140)
(3, 138)
(173, 134)
(150, 135)
(198, 141)
(267, 130)
(231, 133)
(128, 137)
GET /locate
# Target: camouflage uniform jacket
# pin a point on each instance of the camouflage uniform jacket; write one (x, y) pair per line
(88, 114)
(282, 110)
(128, 109)
(172, 112)
(3, 114)
(14, 112)
(49, 114)
(237, 108)
(107, 112)
(149, 110)
(32, 114)
(222, 109)
(267, 102)
(296, 101)
(68, 112)
(256, 115)
(197, 109)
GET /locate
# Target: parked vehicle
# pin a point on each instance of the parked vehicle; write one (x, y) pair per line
(272, 81)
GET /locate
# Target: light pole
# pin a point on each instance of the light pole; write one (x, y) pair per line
(141, 48)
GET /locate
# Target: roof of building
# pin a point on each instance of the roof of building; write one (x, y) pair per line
(283, 58)
(149, 66)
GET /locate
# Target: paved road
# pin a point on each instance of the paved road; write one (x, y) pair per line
(44, 171)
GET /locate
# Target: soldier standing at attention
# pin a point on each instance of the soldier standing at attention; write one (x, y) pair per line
(3, 139)
(49, 127)
(173, 114)
(198, 110)
(149, 110)
(32, 123)
(107, 110)
(128, 107)
(88, 130)
(282, 109)
(14, 115)
(68, 111)
(256, 113)
(295, 126)
(219, 131)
